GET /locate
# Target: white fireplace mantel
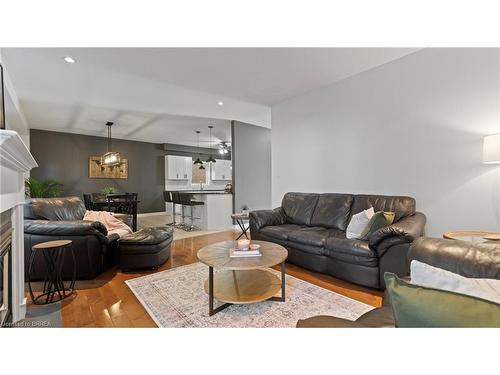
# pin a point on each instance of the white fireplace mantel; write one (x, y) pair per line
(15, 162)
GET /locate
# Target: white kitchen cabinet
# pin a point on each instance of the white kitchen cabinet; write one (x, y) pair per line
(221, 170)
(179, 167)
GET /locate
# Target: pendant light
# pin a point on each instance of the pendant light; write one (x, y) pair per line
(198, 161)
(210, 159)
(110, 158)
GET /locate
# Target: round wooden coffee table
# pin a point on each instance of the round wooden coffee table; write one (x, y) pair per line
(242, 280)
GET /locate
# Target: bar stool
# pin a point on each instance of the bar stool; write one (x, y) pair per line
(186, 200)
(87, 200)
(167, 196)
(176, 199)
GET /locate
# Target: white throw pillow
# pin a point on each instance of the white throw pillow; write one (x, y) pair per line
(358, 223)
(437, 278)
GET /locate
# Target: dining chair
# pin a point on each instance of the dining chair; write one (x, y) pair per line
(87, 200)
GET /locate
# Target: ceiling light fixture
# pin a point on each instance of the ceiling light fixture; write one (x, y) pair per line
(198, 160)
(220, 104)
(210, 159)
(223, 148)
(110, 158)
(69, 60)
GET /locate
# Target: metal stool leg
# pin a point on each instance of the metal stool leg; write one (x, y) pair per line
(192, 219)
(174, 224)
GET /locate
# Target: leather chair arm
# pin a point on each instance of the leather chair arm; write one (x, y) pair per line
(404, 231)
(480, 260)
(112, 238)
(263, 218)
(65, 228)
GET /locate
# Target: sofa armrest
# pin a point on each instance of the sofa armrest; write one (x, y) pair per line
(404, 231)
(481, 260)
(263, 218)
(65, 228)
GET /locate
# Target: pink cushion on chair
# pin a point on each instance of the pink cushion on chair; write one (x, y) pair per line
(112, 224)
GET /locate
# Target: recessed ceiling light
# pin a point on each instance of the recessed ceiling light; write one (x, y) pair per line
(219, 103)
(69, 60)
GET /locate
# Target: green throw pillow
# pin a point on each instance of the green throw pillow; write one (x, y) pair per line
(378, 220)
(415, 306)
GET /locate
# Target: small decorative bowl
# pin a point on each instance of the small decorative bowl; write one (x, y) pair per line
(254, 246)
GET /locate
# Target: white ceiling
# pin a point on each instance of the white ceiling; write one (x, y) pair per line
(147, 127)
(164, 94)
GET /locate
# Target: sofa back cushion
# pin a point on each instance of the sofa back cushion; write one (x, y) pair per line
(299, 207)
(332, 211)
(401, 206)
(68, 208)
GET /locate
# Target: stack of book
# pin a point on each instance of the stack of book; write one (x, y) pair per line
(237, 253)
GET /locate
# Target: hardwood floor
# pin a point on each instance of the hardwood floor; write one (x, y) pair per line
(108, 302)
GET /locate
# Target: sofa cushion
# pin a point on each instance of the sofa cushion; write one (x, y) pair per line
(415, 306)
(379, 220)
(69, 208)
(309, 249)
(350, 251)
(147, 236)
(359, 222)
(299, 207)
(280, 232)
(314, 236)
(332, 211)
(402, 206)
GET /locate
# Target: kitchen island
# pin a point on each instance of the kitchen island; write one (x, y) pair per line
(215, 213)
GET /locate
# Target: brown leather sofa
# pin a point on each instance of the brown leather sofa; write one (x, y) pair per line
(312, 227)
(463, 258)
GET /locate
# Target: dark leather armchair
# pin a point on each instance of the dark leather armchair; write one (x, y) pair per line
(312, 227)
(463, 258)
(48, 219)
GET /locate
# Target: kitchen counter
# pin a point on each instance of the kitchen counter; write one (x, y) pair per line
(215, 213)
(204, 192)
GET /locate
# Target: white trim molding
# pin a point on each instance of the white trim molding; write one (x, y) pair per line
(15, 162)
(13, 152)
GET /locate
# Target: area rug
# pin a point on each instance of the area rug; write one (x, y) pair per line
(176, 298)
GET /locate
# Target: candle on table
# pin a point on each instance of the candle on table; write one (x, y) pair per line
(243, 244)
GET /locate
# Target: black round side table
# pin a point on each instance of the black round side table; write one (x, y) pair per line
(53, 284)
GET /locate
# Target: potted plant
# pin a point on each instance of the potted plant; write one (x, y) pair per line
(245, 209)
(108, 190)
(42, 189)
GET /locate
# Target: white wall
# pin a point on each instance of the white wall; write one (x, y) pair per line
(251, 166)
(14, 116)
(413, 126)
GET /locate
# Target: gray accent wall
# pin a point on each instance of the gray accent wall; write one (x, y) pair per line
(64, 157)
(251, 166)
(414, 126)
